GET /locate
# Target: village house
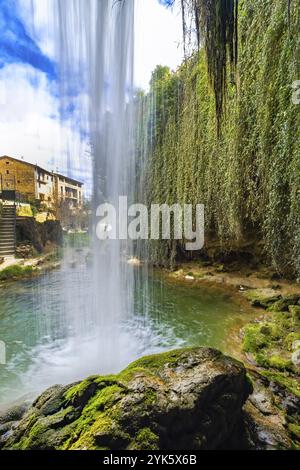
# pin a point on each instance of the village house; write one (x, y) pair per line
(30, 183)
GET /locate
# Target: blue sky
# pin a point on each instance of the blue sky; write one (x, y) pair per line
(33, 124)
(16, 45)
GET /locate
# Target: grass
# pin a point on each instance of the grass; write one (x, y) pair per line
(77, 240)
(15, 272)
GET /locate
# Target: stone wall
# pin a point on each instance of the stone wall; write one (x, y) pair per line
(23, 173)
(39, 235)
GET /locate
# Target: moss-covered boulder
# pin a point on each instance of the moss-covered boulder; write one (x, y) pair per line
(284, 304)
(271, 343)
(190, 398)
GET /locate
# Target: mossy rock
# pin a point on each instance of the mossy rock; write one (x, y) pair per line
(295, 311)
(190, 398)
(283, 304)
(294, 430)
(260, 299)
(291, 339)
(270, 341)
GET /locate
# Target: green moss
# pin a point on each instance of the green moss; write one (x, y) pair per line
(284, 379)
(270, 341)
(254, 339)
(294, 430)
(84, 436)
(146, 440)
(150, 397)
(280, 363)
(104, 399)
(281, 305)
(295, 311)
(75, 394)
(15, 272)
(290, 340)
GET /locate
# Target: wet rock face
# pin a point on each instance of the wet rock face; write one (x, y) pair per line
(186, 399)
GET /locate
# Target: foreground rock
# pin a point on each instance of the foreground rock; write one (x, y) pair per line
(39, 235)
(185, 399)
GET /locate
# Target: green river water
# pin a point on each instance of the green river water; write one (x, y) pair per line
(40, 350)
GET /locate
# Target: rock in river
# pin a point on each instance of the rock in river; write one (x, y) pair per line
(184, 399)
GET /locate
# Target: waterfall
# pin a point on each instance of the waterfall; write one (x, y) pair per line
(95, 330)
(95, 41)
(94, 319)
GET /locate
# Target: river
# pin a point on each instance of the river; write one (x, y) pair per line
(43, 348)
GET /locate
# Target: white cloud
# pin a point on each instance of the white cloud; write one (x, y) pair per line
(35, 14)
(30, 127)
(158, 39)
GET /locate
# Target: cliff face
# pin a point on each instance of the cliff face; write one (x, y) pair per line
(248, 177)
(184, 399)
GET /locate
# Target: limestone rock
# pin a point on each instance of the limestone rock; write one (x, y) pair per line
(184, 399)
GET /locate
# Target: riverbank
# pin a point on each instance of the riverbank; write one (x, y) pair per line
(269, 345)
(16, 269)
(235, 277)
(273, 407)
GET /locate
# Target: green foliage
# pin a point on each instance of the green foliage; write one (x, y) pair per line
(248, 178)
(77, 239)
(15, 272)
(218, 22)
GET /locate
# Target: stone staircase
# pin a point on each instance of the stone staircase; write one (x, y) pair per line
(7, 231)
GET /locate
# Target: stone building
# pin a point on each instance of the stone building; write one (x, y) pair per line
(30, 183)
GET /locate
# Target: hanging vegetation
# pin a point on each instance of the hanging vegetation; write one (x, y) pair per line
(249, 177)
(217, 29)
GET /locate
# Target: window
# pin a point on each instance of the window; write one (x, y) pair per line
(7, 172)
(7, 163)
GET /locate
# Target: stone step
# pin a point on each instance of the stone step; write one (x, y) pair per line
(9, 246)
(7, 231)
(7, 253)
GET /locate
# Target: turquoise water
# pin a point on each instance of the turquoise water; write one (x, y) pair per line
(42, 350)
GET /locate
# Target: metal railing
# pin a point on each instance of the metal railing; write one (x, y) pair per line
(8, 188)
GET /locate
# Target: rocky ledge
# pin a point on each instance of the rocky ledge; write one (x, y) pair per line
(184, 399)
